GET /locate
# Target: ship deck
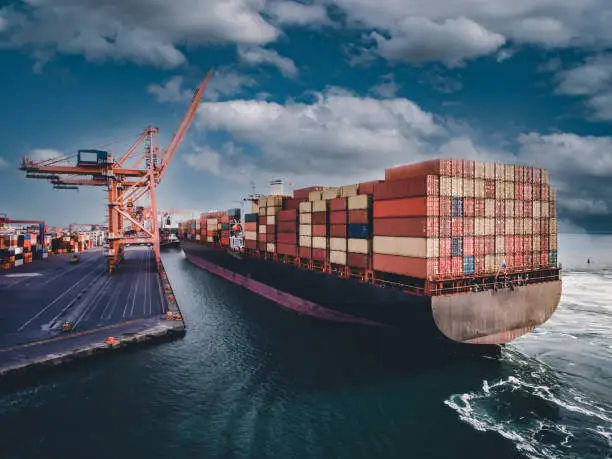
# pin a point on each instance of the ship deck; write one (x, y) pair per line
(35, 300)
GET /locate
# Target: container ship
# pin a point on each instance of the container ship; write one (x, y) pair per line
(452, 250)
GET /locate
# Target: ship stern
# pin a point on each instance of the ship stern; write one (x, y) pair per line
(495, 316)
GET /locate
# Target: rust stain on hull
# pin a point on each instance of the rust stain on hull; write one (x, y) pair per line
(496, 317)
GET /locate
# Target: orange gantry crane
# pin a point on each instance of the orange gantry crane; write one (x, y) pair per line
(131, 181)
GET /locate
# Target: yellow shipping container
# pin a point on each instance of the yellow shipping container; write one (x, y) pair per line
(359, 246)
(349, 190)
(338, 244)
(402, 246)
(305, 219)
(319, 242)
(315, 195)
(319, 206)
(305, 207)
(359, 202)
(330, 193)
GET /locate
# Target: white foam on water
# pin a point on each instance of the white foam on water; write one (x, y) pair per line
(23, 275)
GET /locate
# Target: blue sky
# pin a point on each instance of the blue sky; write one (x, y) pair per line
(318, 92)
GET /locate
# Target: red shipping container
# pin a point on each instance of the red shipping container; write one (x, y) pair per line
(270, 237)
(250, 226)
(445, 226)
(262, 246)
(445, 247)
(519, 260)
(358, 260)
(519, 209)
(468, 246)
(406, 266)
(445, 207)
(479, 207)
(468, 226)
(537, 192)
(225, 233)
(457, 266)
(337, 231)
(445, 267)
(552, 212)
(287, 238)
(433, 167)
(469, 168)
(527, 209)
(293, 204)
(518, 174)
(262, 220)
(468, 207)
(479, 245)
(479, 264)
(337, 204)
(544, 259)
(528, 174)
(545, 192)
(287, 216)
(320, 218)
(500, 208)
(526, 244)
(489, 189)
(433, 227)
(457, 226)
(250, 244)
(404, 227)
(337, 218)
(433, 206)
(368, 187)
(270, 229)
(358, 216)
(302, 193)
(408, 207)
(319, 230)
(537, 175)
(489, 245)
(418, 186)
(537, 226)
(500, 226)
(287, 249)
(457, 167)
(528, 259)
(305, 252)
(319, 254)
(510, 247)
(287, 227)
(528, 192)
(518, 190)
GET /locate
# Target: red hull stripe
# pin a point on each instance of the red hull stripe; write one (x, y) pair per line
(284, 299)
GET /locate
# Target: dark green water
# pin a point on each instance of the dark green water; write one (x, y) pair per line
(252, 380)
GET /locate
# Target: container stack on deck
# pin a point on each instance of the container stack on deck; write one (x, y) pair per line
(436, 220)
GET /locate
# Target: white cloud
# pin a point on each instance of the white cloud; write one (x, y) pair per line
(3, 163)
(256, 55)
(551, 65)
(387, 88)
(294, 13)
(142, 31)
(205, 159)
(452, 41)
(169, 91)
(585, 207)
(567, 226)
(43, 154)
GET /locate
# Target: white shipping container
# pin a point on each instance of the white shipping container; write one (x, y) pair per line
(510, 208)
(337, 243)
(254, 208)
(272, 210)
(490, 208)
(274, 201)
(446, 188)
(500, 189)
(479, 188)
(479, 169)
(402, 246)
(489, 227)
(359, 202)
(349, 190)
(554, 226)
(544, 209)
(528, 226)
(519, 226)
(319, 242)
(319, 206)
(553, 241)
(250, 235)
(262, 229)
(305, 219)
(262, 211)
(359, 246)
(330, 193)
(468, 187)
(509, 225)
(500, 171)
(552, 195)
(315, 195)
(270, 247)
(209, 239)
(457, 186)
(262, 202)
(490, 265)
(305, 230)
(509, 173)
(500, 244)
(305, 241)
(433, 247)
(509, 194)
(271, 219)
(537, 209)
(305, 207)
(536, 241)
(337, 257)
(479, 226)
(545, 177)
(489, 170)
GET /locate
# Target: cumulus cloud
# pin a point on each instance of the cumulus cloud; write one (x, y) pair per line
(256, 55)
(169, 91)
(204, 159)
(387, 88)
(43, 154)
(294, 13)
(142, 31)
(451, 41)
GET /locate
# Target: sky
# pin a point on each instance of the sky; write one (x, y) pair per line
(320, 92)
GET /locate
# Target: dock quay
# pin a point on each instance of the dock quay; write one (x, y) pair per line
(135, 304)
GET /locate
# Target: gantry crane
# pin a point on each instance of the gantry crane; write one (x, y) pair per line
(130, 180)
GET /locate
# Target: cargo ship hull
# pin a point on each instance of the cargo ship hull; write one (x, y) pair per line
(486, 317)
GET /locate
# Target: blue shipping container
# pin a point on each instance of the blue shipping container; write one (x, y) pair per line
(457, 247)
(457, 207)
(553, 257)
(358, 231)
(468, 265)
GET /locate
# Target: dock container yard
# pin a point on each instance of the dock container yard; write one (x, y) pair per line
(455, 249)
